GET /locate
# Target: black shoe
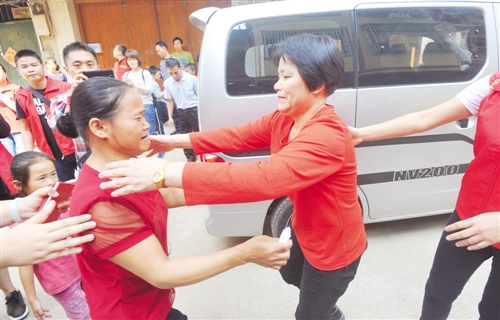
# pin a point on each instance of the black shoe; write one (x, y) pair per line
(16, 308)
(192, 159)
(174, 132)
(337, 314)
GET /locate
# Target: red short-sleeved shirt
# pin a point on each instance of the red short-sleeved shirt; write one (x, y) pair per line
(112, 291)
(316, 169)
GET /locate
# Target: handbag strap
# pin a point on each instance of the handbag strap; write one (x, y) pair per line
(39, 96)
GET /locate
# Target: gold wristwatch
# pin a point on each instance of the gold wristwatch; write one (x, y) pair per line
(159, 175)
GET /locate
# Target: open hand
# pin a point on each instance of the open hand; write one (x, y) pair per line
(478, 232)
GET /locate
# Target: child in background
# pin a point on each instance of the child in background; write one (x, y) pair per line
(52, 70)
(60, 278)
(191, 68)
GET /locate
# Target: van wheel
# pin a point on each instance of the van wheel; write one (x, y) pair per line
(280, 216)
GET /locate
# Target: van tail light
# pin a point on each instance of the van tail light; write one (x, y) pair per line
(210, 158)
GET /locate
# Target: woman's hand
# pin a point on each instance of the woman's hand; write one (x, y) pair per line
(356, 135)
(28, 206)
(40, 242)
(480, 231)
(267, 252)
(131, 176)
(160, 143)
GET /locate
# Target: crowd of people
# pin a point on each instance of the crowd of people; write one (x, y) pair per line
(117, 215)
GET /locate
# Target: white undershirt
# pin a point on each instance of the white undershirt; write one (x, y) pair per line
(472, 96)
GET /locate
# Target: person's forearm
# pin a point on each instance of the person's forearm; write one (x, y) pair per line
(27, 137)
(189, 270)
(417, 122)
(27, 279)
(170, 108)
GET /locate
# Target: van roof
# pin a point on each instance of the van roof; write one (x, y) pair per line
(201, 17)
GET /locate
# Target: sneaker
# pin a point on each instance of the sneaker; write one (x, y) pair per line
(16, 308)
(337, 314)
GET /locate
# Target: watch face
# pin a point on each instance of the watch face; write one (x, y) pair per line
(157, 177)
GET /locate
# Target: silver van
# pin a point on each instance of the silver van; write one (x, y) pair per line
(400, 57)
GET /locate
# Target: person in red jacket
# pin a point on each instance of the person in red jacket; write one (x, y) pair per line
(32, 105)
(312, 162)
(478, 204)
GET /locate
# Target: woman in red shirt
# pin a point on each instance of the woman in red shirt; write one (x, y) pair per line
(128, 260)
(312, 162)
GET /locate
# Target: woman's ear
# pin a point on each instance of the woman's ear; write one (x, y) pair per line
(318, 90)
(17, 185)
(99, 128)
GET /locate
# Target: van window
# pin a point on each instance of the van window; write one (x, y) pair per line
(249, 66)
(419, 45)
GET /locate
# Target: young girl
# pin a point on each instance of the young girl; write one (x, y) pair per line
(52, 70)
(60, 278)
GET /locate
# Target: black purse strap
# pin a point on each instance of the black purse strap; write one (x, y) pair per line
(39, 96)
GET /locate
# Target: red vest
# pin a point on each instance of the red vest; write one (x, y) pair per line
(25, 99)
(480, 190)
(5, 160)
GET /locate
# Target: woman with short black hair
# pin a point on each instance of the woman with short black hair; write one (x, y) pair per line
(312, 162)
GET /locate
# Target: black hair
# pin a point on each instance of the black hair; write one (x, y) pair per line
(177, 38)
(96, 97)
(121, 48)
(190, 66)
(26, 53)
(77, 46)
(154, 69)
(133, 54)
(3, 68)
(53, 60)
(20, 166)
(162, 44)
(172, 62)
(317, 57)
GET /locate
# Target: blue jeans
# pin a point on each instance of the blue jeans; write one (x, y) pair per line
(319, 290)
(451, 269)
(13, 141)
(149, 114)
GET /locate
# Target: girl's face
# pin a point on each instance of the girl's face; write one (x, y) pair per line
(41, 174)
(51, 66)
(128, 135)
(133, 64)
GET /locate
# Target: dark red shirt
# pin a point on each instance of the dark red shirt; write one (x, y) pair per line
(120, 68)
(113, 292)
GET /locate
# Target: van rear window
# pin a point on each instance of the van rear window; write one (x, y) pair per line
(249, 66)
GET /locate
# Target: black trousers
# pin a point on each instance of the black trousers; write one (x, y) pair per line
(451, 269)
(66, 167)
(188, 122)
(319, 290)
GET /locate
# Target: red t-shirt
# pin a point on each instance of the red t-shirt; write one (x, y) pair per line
(120, 68)
(113, 292)
(317, 170)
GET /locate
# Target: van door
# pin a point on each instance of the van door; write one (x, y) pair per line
(412, 57)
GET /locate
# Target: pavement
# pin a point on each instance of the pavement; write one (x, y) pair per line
(389, 283)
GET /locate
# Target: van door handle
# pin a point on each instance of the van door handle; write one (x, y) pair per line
(463, 123)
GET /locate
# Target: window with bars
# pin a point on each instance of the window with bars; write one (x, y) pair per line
(273, 39)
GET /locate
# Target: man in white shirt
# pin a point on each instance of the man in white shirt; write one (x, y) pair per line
(182, 88)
